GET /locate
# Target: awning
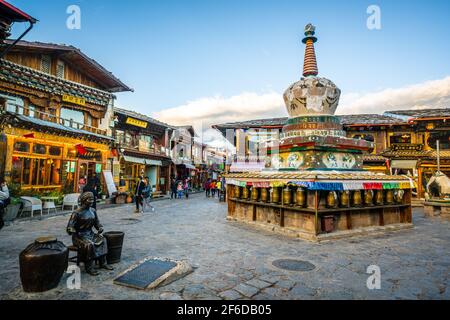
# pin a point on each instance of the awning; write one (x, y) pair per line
(189, 166)
(151, 162)
(404, 164)
(143, 161)
(247, 166)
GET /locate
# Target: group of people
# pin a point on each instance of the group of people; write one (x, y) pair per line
(214, 186)
(178, 188)
(143, 194)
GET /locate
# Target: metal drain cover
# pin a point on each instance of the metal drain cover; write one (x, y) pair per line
(130, 221)
(293, 265)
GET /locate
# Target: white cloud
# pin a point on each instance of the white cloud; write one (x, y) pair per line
(204, 112)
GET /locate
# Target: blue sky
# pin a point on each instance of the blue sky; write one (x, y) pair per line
(172, 52)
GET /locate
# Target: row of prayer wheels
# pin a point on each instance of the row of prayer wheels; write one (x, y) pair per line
(334, 199)
(275, 195)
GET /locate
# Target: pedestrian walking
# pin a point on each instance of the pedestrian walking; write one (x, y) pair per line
(180, 190)
(93, 185)
(186, 188)
(4, 201)
(213, 188)
(219, 188)
(208, 188)
(138, 194)
(147, 195)
(173, 188)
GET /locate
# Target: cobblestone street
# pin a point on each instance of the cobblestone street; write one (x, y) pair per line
(234, 261)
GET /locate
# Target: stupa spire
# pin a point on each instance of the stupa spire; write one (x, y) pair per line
(310, 63)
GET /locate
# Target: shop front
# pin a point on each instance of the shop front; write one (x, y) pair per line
(45, 162)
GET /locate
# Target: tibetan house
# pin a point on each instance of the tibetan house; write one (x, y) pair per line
(57, 105)
(143, 143)
(182, 146)
(313, 184)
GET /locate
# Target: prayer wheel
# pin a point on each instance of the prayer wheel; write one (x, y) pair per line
(368, 197)
(345, 198)
(237, 192)
(379, 197)
(245, 193)
(398, 196)
(255, 194)
(332, 200)
(264, 195)
(275, 195)
(300, 196)
(389, 197)
(287, 197)
(357, 199)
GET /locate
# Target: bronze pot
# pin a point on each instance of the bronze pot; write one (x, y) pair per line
(264, 195)
(357, 199)
(332, 200)
(368, 197)
(275, 195)
(255, 194)
(287, 197)
(389, 197)
(345, 198)
(300, 197)
(379, 197)
(42, 264)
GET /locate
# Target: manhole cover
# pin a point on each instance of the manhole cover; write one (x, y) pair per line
(130, 221)
(293, 265)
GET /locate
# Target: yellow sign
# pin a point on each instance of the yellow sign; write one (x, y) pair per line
(137, 123)
(74, 100)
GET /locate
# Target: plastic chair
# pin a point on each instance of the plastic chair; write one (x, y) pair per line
(31, 204)
(71, 200)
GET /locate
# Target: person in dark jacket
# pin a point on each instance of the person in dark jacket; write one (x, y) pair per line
(93, 186)
(139, 190)
(173, 188)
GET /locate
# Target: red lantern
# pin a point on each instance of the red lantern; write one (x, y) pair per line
(81, 149)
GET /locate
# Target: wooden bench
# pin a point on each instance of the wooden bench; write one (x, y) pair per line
(157, 194)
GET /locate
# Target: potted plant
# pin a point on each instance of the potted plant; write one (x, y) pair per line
(12, 210)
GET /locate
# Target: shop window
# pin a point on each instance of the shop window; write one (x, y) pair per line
(401, 138)
(74, 115)
(39, 149)
(21, 170)
(68, 176)
(54, 151)
(20, 146)
(443, 137)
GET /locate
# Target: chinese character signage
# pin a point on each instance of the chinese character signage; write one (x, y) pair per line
(74, 100)
(407, 147)
(136, 123)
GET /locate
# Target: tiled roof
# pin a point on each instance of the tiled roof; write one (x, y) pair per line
(421, 113)
(365, 119)
(411, 154)
(78, 58)
(319, 175)
(142, 117)
(34, 79)
(39, 125)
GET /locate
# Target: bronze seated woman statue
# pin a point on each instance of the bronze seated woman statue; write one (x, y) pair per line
(91, 246)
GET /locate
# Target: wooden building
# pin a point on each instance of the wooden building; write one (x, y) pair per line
(143, 143)
(57, 106)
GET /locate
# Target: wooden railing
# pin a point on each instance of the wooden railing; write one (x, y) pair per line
(32, 113)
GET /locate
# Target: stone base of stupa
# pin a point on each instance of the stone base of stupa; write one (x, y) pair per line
(320, 205)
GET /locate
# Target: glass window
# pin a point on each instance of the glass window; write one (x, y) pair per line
(54, 151)
(60, 67)
(31, 111)
(74, 115)
(443, 137)
(26, 172)
(13, 104)
(39, 149)
(20, 146)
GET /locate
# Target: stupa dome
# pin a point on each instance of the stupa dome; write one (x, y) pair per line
(312, 95)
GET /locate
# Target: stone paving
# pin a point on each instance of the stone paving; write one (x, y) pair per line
(234, 261)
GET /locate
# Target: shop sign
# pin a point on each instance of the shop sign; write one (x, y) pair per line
(136, 123)
(74, 100)
(407, 147)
